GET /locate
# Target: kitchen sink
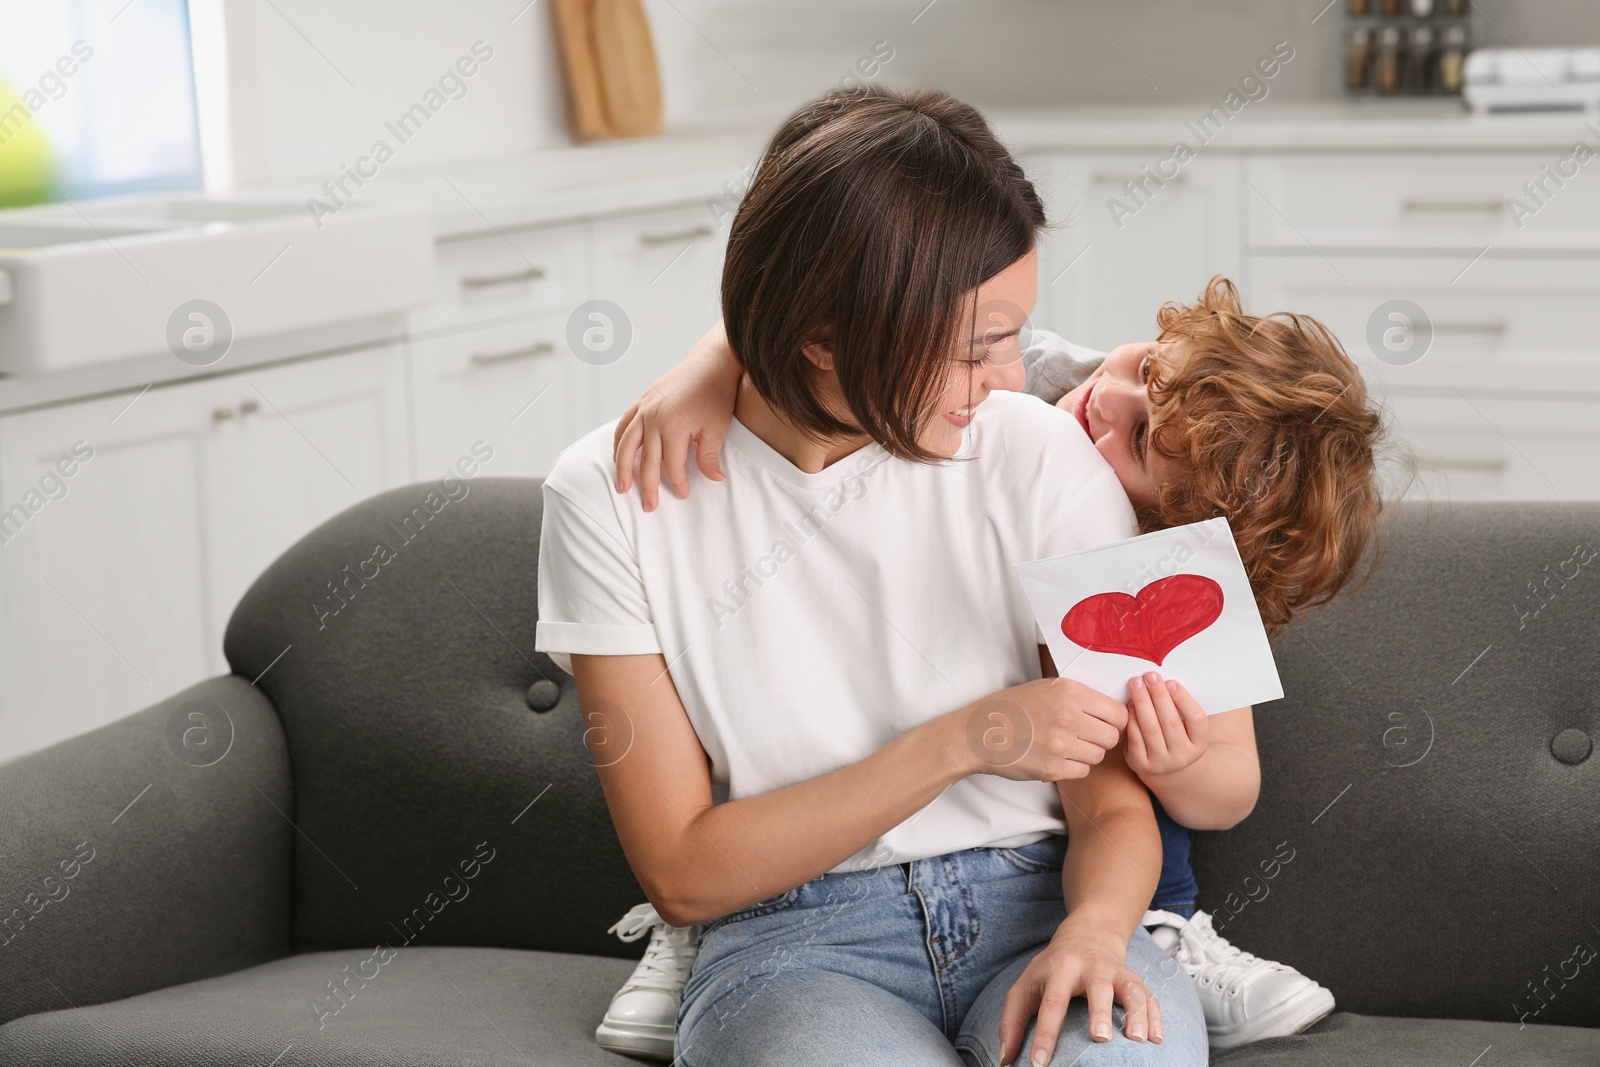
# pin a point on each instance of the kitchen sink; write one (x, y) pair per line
(103, 280)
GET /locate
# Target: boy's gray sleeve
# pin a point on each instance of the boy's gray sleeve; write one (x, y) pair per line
(1055, 367)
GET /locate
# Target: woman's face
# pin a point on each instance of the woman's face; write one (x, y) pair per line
(1114, 408)
(989, 356)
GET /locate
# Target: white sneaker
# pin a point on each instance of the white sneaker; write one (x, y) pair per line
(644, 1012)
(1245, 998)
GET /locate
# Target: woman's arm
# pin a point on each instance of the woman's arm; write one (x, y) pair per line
(689, 407)
(697, 861)
(1112, 865)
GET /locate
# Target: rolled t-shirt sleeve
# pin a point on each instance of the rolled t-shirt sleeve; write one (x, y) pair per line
(591, 593)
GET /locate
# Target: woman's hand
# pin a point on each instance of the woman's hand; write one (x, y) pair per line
(1045, 730)
(1083, 962)
(1167, 729)
(690, 406)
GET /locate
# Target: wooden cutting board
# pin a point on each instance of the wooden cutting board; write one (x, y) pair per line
(613, 85)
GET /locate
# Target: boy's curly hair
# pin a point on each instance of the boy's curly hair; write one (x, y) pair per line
(1274, 420)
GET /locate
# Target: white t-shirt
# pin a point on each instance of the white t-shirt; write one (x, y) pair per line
(808, 619)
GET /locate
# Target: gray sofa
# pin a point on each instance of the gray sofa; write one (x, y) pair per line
(381, 841)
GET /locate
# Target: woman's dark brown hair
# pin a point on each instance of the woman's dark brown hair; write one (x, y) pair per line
(872, 216)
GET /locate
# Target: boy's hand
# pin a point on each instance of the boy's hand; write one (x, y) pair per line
(1167, 729)
(661, 434)
(688, 409)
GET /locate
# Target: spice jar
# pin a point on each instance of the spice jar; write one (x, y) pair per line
(1387, 65)
(1418, 77)
(1358, 59)
(1360, 7)
(1422, 8)
(1391, 8)
(1451, 58)
(1455, 8)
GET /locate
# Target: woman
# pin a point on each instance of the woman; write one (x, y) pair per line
(928, 850)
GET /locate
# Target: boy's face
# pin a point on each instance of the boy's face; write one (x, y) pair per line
(1113, 406)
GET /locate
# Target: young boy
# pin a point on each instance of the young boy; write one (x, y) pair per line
(1262, 419)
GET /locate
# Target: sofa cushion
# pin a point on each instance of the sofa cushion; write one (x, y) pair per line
(1362, 1040)
(417, 1005)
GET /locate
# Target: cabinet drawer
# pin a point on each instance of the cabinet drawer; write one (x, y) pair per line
(664, 269)
(1479, 447)
(514, 386)
(1115, 256)
(521, 272)
(1443, 201)
(1504, 324)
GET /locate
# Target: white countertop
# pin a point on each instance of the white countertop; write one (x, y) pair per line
(1269, 124)
(567, 183)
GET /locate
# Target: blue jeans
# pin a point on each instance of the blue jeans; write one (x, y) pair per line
(1176, 890)
(907, 964)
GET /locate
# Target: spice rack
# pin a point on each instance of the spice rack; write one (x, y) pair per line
(1406, 48)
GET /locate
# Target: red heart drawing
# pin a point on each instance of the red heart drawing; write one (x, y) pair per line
(1164, 615)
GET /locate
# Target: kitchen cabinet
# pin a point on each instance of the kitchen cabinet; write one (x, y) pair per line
(1475, 446)
(1502, 324)
(1416, 202)
(1121, 245)
(664, 270)
(1506, 402)
(514, 385)
(512, 377)
(513, 272)
(117, 593)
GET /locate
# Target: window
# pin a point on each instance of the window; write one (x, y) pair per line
(96, 98)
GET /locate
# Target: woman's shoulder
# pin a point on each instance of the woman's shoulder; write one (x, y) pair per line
(1021, 421)
(1037, 456)
(587, 467)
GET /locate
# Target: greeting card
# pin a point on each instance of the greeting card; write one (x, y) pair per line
(1176, 601)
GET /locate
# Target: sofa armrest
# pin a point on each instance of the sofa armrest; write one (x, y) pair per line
(152, 851)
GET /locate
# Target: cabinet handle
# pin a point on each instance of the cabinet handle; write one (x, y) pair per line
(1487, 329)
(249, 407)
(221, 414)
(1466, 207)
(489, 359)
(1107, 178)
(1485, 466)
(484, 281)
(692, 234)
